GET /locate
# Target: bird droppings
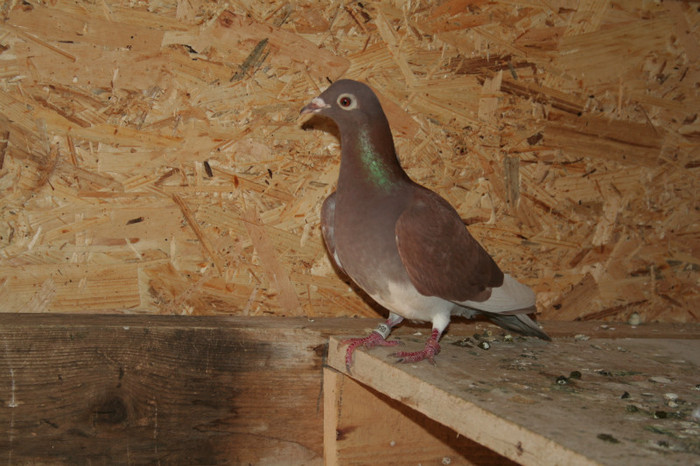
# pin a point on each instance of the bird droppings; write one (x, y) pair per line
(446, 460)
(581, 337)
(634, 319)
(484, 345)
(695, 416)
(624, 377)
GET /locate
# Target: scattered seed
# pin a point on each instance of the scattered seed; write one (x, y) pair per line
(465, 343)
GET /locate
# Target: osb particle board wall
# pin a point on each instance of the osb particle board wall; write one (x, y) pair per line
(152, 159)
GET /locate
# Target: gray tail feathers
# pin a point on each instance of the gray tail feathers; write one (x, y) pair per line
(520, 323)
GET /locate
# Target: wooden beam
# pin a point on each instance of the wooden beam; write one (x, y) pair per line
(125, 389)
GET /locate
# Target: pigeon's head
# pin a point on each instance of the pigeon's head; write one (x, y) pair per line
(346, 101)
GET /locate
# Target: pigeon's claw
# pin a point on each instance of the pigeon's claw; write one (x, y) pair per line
(432, 348)
(370, 341)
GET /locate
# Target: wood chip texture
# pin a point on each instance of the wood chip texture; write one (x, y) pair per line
(152, 158)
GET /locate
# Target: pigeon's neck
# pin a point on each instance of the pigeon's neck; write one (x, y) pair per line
(369, 159)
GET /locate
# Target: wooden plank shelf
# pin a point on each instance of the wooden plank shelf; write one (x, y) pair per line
(571, 401)
(144, 389)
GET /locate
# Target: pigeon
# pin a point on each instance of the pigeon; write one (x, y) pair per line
(405, 246)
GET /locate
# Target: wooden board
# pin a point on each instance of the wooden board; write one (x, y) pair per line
(632, 401)
(363, 426)
(117, 389)
(105, 389)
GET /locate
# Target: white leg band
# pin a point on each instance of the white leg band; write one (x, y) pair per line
(383, 329)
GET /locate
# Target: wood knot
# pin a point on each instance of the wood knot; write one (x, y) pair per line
(111, 411)
(227, 19)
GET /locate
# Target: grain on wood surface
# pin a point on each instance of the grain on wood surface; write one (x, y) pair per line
(138, 141)
(76, 389)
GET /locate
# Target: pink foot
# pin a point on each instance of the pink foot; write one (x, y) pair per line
(432, 348)
(370, 341)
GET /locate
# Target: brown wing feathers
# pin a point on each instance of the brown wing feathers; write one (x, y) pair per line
(441, 257)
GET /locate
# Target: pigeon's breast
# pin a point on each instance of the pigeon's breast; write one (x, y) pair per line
(365, 239)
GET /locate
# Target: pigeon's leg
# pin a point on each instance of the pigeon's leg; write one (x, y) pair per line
(432, 347)
(376, 338)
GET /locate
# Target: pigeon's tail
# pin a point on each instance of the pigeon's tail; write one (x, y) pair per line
(510, 298)
(520, 323)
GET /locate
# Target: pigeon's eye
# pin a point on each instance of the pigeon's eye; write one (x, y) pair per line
(347, 102)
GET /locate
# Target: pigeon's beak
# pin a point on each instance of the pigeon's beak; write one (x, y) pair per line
(314, 106)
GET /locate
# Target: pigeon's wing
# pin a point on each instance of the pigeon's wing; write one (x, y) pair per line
(328, 229)
(441, 257)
